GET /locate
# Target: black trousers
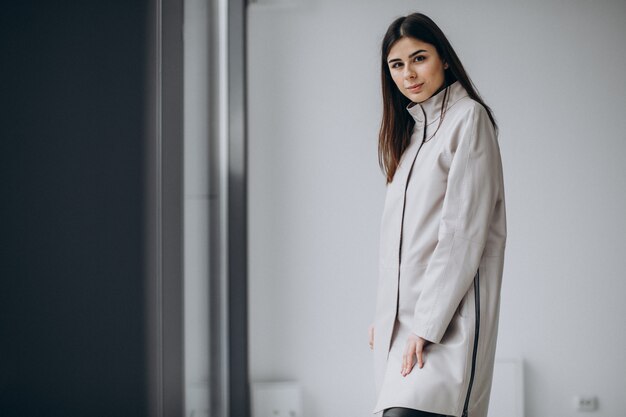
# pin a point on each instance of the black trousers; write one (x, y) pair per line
(408, 412)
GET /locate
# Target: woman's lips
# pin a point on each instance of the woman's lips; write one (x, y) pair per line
(415, 87)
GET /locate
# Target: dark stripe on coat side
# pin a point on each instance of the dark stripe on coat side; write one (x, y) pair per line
(475, 351)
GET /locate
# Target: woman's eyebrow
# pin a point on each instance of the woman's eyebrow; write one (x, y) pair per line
(410, 56)
(417, 52)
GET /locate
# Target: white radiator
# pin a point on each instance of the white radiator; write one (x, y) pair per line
(507, 391)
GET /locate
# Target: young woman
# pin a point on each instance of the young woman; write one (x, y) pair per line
(443, 231)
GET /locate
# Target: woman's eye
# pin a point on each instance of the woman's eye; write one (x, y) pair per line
(396, 65)
(420, 58)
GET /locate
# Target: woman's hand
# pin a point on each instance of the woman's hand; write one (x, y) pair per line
(415, 346)
(370, 331)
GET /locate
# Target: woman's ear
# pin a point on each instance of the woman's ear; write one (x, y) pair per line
(445, 65)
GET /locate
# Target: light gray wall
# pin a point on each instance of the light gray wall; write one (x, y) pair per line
(553, 73)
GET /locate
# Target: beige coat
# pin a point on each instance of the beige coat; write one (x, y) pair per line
(443, 235)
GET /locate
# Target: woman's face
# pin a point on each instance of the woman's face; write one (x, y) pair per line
(416, 68)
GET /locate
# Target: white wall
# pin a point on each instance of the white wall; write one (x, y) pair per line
(553, 73)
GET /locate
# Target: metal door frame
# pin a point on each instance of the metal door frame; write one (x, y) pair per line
(228, 323)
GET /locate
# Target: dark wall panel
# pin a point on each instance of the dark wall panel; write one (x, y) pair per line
(72, 88)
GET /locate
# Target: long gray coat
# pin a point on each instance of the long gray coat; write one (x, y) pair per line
(443, 235)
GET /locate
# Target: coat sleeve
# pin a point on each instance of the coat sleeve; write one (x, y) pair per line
(472, 191)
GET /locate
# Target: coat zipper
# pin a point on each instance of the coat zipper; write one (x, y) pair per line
(475, 351)
(406, 187)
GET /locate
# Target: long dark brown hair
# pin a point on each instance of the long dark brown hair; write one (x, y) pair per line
(397, 124)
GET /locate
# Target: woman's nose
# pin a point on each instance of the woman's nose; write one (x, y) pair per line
(409, 73)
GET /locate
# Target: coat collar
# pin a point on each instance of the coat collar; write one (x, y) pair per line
(429, 110)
